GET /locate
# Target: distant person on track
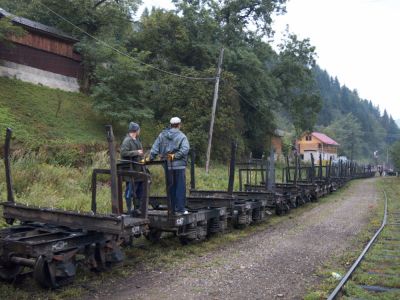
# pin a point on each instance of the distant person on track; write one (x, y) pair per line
(132, 149)
(173, 145)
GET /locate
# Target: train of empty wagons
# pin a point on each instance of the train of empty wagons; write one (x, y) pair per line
(50, 243)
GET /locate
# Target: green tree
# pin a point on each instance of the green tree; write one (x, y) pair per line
(191, 101)
(8, 29)
(296, 88)
(237, 19)
(395, 155)
(347, 132)
(119, 93)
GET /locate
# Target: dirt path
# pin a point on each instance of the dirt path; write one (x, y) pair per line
(279, 262)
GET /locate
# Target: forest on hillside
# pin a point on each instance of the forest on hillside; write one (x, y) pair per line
(357, 124)
(163, 63)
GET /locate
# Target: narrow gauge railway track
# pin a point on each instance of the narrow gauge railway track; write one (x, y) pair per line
(375, 274)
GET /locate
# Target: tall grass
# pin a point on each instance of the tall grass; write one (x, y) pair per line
(42, 184)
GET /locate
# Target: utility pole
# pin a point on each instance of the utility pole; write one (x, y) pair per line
(387, 157)
(352, 145)
(214, 108)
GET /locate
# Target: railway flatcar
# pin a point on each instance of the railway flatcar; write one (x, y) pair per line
(50, 242)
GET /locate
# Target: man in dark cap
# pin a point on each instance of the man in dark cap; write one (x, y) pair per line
(172, 144)
(132, 149)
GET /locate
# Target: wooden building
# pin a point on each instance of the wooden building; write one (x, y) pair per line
(45, 55)
(317, 143)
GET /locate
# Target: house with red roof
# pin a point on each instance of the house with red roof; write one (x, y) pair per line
(317, 143)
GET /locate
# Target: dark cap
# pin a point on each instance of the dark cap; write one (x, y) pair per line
(133, 127)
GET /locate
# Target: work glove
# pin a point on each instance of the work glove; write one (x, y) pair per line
(145, 160)
(170, 156)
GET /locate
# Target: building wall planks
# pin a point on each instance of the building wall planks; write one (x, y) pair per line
(42, 42)
(40, 59)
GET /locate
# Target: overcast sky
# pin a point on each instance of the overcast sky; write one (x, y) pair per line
(356, 40)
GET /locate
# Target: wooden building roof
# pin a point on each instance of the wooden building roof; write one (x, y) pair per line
(325, 139)
(37, 27)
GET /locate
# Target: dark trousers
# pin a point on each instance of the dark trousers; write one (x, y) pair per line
(177, 189)
(133, 191)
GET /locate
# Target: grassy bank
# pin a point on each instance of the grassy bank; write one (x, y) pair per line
(57, 125)
(40, 115)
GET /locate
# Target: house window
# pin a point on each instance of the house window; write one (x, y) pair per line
(308, 137)
(319, 145)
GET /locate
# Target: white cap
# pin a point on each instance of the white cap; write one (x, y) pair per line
(175, 120)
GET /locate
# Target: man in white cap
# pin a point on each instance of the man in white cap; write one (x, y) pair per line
(172, 144)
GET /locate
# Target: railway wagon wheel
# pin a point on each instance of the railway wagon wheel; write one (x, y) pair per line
(243, 219)
(9, 271)
(308, 198)
(258, 215)
(217, 225)
(282, 209)
(223, 220)
(314, 197)
(194, 233)
(107, 254)
(262, 214)
(292, 202)
(279, 210)
(202, 231)
(189, 235)
(300, 200)
(153, 235)
(214, 226)
(54, 274)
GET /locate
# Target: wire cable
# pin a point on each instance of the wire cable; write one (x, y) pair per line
(122, 53)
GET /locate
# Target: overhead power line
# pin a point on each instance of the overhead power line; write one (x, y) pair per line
(123, 53)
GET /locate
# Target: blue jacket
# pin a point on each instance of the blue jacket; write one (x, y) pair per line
(172, 141)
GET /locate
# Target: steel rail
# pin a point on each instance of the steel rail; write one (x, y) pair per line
(346, 277)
